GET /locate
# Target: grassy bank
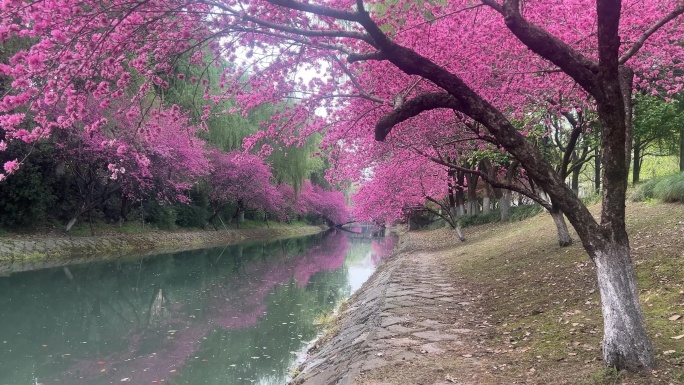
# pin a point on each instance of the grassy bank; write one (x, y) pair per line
(536, 306)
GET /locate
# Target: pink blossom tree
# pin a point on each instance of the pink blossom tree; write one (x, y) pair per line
(244, 180)
(331, 206)
(485, 60)
(122, 155)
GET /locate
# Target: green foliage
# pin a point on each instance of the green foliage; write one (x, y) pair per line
(518, 213)
(292, 165)
(28, 196)
(191, 215)
(657, 123)
(669, 188)
(195, 213)
(160, 215)
(653, 166)
(644, 191)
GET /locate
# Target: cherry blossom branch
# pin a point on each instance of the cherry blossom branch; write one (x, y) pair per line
(355, 82)
(579, 67)
(485, 177)
(642, 39)
(309, 32)
(440, 17)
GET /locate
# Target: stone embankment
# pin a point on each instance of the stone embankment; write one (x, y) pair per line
(23, 254)
(401, 316)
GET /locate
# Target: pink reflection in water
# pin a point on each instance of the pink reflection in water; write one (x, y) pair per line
(239, 302)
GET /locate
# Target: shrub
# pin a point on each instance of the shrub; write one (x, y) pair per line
(493, 216)
(518, 213)
(669, 188)
(162, 216)
(190, 215)
(644, 191)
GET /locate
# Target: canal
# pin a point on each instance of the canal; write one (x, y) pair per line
(237, 314)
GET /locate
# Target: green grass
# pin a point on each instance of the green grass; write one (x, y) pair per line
(544, 299)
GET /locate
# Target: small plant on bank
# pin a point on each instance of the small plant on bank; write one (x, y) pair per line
(606, 376)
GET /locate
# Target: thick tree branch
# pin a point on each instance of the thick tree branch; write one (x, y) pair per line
(354, 57)
(572, 142)
(413, 107)
(316, 9)
(579, 67)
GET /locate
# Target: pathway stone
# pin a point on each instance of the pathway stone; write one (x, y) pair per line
(401, 324)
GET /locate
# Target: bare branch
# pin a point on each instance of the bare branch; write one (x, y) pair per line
(493, 182)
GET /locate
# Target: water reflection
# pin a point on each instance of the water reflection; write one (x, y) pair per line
(227, 315)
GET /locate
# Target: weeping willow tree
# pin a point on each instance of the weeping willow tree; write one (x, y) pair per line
(225, 130)
(290, 165)
(293, 165)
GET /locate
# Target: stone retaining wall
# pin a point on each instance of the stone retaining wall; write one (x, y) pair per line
(341, 359)
(30, 254)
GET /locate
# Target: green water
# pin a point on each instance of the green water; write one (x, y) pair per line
(228, 315)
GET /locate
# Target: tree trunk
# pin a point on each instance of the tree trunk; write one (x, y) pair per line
(473, 206)
(460, 198)
(71, 223)
(681, 149)
(459, 234)
(486, 205)
(574, 180)
(636, 168)
(597, 170)
(626, 82)
(123, 212)
(505, 205)
(457, 229)
(564, 238)
(625, 342)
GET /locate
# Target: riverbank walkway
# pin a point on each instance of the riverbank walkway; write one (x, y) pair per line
(393, 330)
